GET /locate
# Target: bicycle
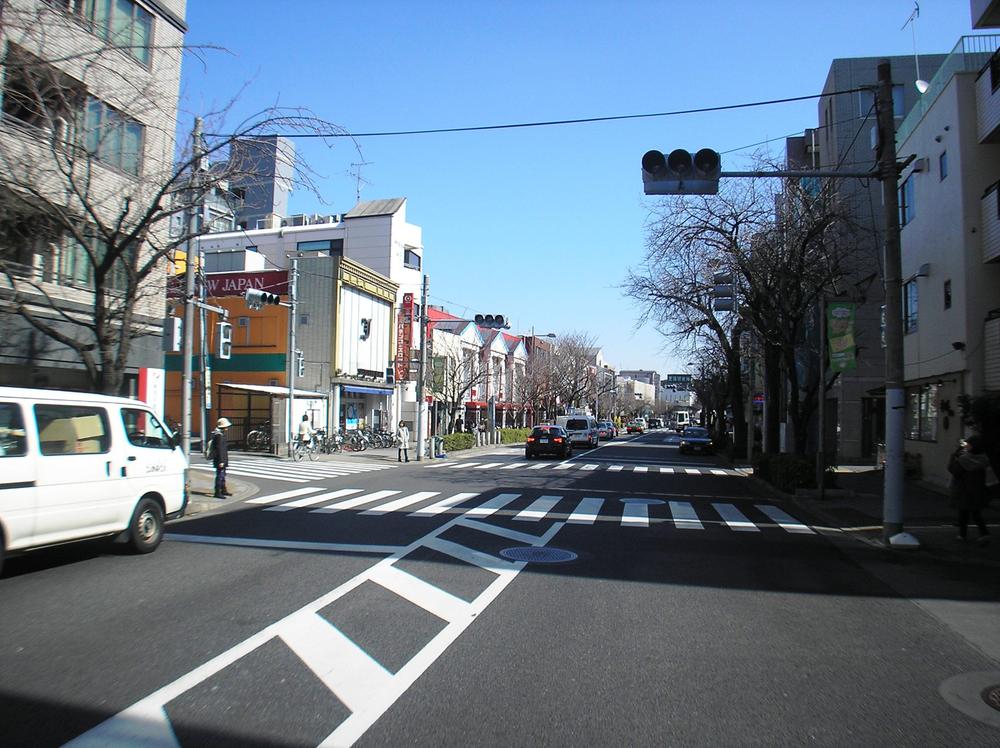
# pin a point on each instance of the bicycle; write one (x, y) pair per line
(329, 444)
(260, 437)
(303, 448)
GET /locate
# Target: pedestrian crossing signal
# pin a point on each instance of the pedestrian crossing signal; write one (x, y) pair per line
(223, 340)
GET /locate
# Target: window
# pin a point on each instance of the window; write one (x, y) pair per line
(921, 413)
(121, 23)
(995, 71)
(78, 264)
(12, 436)
(947, 294)
(36, 94)
(113, 137)
(910, 299)
(943, 165)
(330, 246)
(907, 205)
(411, 259)
(144, 430)
(72, 429)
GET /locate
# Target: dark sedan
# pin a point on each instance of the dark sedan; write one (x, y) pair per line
(548, 440)
(696, 439)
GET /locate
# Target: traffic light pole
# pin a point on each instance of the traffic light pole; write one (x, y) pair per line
(189, 286)
(291, 362)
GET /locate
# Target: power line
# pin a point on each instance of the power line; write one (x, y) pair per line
(550, 123)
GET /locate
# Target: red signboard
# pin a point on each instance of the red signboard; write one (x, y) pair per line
(404, 338)
(234, 284)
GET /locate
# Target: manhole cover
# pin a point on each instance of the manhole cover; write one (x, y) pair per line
(538, 555)
(992, 697)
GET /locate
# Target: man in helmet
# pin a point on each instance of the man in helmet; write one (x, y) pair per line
(219, 452)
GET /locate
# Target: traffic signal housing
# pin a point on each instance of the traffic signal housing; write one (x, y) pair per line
(681, 173)
(491, 321)
(256, 298)
(723, 293)
(173, 339)
(223, 340)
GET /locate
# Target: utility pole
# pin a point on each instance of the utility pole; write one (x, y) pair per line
(292, 363)
(189, 285)
(892, 507)
(421, 369)
(821, 402)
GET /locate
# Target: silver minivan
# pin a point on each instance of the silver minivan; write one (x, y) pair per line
(77, 465)
(582, 429)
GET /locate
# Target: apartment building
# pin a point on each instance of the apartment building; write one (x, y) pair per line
(89, 105)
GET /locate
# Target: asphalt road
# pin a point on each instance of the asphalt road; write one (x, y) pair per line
(664, 600)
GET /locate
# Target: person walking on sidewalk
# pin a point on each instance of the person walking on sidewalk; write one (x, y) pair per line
(968, 467)
(219, 451)
(403, 441)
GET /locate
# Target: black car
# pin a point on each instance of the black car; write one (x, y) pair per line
(696, 439)
(548, 440)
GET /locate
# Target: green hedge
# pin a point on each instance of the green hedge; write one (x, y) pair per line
(787, 472)
(513, 436)
(460, 440)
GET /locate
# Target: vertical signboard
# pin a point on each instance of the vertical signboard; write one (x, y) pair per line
(840, 334)
(404, 338)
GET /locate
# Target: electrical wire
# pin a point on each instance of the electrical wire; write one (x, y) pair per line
(551, 123)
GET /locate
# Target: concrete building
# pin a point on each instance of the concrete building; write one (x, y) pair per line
(845, 139)
(89, 112)
(950, 239)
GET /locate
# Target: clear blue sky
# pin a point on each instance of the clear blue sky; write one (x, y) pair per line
(538, 224)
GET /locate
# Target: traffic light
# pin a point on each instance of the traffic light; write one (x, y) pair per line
(300, 363)
(680, 173)
(491, 321)
(723, 296)
(223, 340)
(173, 340)
(256, 298)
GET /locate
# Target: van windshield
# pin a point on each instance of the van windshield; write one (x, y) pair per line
(577, 424)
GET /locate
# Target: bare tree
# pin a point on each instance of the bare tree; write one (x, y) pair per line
(91, 185)
(453, 379)
(576, 379)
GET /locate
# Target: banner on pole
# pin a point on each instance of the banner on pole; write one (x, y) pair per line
(840, 335)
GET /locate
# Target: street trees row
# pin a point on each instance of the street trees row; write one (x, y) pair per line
(786, 245)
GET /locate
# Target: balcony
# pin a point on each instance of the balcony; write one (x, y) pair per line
(988, 101)
(970, 55)
(990, 215)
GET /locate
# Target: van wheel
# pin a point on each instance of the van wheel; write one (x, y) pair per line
(145, 530)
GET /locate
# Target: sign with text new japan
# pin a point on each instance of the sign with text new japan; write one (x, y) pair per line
(404, 338)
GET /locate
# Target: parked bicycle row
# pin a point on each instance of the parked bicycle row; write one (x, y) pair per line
(357, 440)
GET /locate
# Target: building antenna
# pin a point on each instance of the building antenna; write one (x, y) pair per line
(358, 179)
(920, 83)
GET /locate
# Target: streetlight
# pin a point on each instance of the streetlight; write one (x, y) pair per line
(548, 368)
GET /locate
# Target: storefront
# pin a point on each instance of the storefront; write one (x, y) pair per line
(361, 407)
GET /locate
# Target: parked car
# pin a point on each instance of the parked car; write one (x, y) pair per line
(696, 439)
(548, 440)
(76, 466)
(606, 430)
(635, 427)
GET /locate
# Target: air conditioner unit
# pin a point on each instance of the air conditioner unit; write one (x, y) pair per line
(920, 165)
(270, 221)
(298, 220)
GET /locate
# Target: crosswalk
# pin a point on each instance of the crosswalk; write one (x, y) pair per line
(296, 472)
(586, 467)
(625, 511)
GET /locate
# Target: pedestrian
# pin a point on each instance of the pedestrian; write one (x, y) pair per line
(969, 466)
(403, 442)
(219, 451)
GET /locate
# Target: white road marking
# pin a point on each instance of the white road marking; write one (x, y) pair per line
(716, 471)
(351, 503)
(692, 471)
(489, 465)
(503, 532)
(666, 470)
(513, 465)
(285, 545)
(565, 466)
(493, 505)
(591, 466)
(615, 468)
(636, 512)
(538, 509)
(640, 469)
(735, 518)
(539, 466)
(685, 517)
(392, 506)
(271, 498)
(784, 521)
(442, 506)
(248, 474)
(460, 465)
(310, 500)
(434, 600)
(586, 511)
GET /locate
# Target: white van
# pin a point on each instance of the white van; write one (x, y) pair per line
(75, 465)
(581, 429)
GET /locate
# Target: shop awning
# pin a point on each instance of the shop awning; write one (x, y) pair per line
(366, 390)
(269, 389)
